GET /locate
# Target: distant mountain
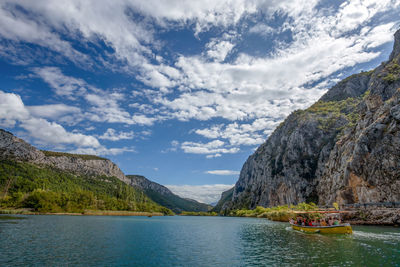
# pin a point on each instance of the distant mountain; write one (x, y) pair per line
(225, 197)
(47, 181)
(164, 197)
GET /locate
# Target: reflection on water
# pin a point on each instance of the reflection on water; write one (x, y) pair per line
(187, 241)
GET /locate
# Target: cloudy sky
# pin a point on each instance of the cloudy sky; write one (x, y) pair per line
(179, 91)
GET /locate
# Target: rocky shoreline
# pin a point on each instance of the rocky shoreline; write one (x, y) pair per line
(373, 216)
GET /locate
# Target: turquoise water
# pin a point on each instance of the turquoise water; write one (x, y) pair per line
(187, 241)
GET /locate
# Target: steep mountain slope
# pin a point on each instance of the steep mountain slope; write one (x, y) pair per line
(163, 196)
(15, 148)
(59, 182)
(344, 148)
(225, 196)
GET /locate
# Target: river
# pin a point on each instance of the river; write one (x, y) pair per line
(39, 240)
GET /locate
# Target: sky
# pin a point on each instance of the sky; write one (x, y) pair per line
(181, 92)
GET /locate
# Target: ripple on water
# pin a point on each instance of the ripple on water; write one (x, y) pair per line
(188, 241)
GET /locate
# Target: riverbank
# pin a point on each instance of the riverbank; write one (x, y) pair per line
(372, 216)
(355, 215)
(84, 213)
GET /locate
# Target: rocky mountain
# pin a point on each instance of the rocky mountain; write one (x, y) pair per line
(15, 148)
(344, 148)
(163, 196)
(45, 181)
(225, 196)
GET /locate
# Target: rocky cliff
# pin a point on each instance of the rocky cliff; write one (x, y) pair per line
(163, 196)
(145, 184)
(344, 148)
(15, 148)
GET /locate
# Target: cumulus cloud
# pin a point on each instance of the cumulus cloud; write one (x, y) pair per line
(261, 29)
(218, 50)
(251, 94)
(102, 150)
(202, 193)
(241, 134)
(223, 172)
(104, 106)
(215, 148)
(53, 133)
(13, 110)
(112, 135)
(63, 85)
(18, 27)
(53, 111)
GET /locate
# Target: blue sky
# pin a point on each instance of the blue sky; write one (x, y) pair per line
(181, 92)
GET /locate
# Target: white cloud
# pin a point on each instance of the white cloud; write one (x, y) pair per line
(102, 151)
(252, 93)
(202, 193)
(13, 110)
(53, 133)
(223, 172)
(104, 105)
(112, 135)
(241, 134)
(52, 111)
(211, 148)
(218, 50)
(63, 85)
(18, 27)
(261, 29)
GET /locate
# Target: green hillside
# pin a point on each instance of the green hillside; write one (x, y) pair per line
(46, 189)
(164, 197)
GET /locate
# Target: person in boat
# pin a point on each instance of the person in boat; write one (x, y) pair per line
(336, 221)
(323, 223)
(330, 221)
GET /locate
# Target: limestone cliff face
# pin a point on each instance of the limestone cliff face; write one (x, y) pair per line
(344, 148)
(364, 165)
(13, 148)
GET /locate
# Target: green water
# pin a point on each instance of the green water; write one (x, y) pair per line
(187, 241)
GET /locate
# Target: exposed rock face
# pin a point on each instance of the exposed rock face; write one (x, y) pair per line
(353, 86)
(364, 165)
(226, 196)
(345, 148)
(12, 147)
(15, 148)
(96, 167)
(376, 216)
(145, 184)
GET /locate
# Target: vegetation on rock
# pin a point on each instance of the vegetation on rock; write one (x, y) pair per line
(24, 185)
(63, 154)
(164, 197)
(278, 213)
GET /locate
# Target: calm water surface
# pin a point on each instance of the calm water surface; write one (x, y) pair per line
(187, 241)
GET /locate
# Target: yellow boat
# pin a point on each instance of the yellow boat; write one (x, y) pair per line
(343, 228)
